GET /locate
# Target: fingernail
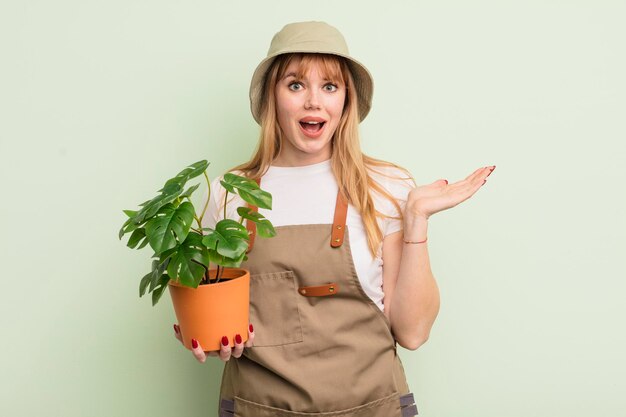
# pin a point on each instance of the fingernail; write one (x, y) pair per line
(251, 328)
(176, 329)
(194, 343)
(446, 181)
(238, 339)
(224, 341)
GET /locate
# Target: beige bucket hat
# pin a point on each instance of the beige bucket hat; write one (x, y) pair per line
(311, 37)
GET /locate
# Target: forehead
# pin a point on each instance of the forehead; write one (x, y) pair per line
(327, 67)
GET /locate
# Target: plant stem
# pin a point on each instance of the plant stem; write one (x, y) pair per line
(225, 197)
(206, 204)
(199, 221)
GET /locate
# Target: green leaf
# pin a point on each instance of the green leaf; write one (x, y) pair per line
(170, 226)
(221, 260)
(144, 242)
(229, 239)
(186, 174)
(263, 226)
(158, 268)
(143, 285)
(164, 255)
(189, 191)
(136, 237)
(170, 192)
(171, 188)
(121, 233)
(190, 261)
(154, 205)
(248, 190)
(161, 286)
(128, 226)
(130, 213)
(198, 168)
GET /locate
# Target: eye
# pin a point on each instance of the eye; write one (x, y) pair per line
(331, 87)
(293, 86)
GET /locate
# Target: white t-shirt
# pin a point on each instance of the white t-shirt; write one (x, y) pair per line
(307, 195)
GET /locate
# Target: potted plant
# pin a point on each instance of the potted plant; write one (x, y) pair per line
(208, 303)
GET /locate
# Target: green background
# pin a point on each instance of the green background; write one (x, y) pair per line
(102, 101)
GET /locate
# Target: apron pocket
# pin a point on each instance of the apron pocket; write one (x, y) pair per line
(274, 309)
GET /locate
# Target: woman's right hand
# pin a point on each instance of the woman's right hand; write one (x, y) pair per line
(225, 352)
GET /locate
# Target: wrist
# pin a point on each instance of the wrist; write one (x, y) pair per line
(415, 228)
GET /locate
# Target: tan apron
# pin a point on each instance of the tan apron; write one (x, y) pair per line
(322, 347)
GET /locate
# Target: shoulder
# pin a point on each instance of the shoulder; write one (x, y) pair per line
(393, 179)
(389, 188)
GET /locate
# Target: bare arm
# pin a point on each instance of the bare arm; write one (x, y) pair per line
(411, 292)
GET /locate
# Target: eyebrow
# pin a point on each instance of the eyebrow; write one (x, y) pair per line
(294, 75)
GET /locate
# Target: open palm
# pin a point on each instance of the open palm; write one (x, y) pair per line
(427, 200)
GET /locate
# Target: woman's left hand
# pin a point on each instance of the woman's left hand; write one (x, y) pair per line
(427, 200)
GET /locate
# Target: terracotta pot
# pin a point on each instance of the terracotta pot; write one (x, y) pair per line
(211, 311)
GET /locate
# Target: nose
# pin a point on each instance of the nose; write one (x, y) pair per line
(312, 100)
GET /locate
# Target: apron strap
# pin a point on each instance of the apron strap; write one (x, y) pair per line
(319, 290)
(339, 222)
(251, 226)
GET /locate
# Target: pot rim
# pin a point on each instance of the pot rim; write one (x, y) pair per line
(226, 280)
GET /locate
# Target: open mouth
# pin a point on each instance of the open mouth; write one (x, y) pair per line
(312, 127)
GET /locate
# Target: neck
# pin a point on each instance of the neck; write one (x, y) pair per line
(296, 161)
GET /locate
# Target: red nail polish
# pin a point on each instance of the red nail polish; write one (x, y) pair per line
(251, 329)
(238, 339)
(446, 182)
(224, 341)
(176, 329)
(194, 343)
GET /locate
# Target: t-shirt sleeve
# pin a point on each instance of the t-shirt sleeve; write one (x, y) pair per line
(396, 183)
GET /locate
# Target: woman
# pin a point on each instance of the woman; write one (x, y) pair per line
(347, 276)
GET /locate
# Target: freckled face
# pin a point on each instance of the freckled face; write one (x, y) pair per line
(309, 110)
